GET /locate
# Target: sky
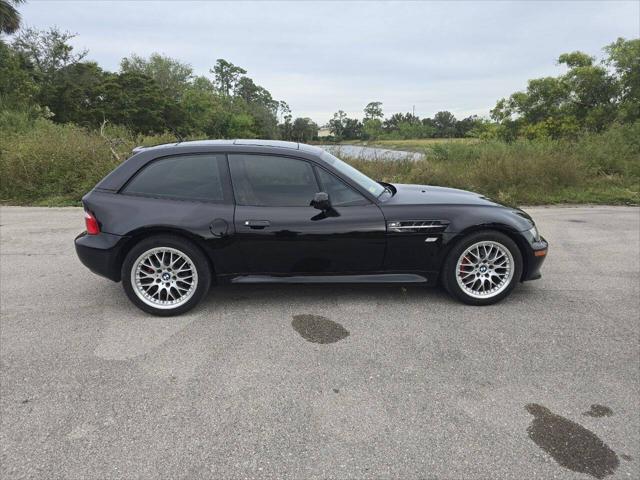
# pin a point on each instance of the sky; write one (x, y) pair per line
(319, 57)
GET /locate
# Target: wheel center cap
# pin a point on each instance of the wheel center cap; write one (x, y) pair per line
(483, 269)
(166, 276)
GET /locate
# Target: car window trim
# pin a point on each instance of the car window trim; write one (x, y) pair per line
(225, 179)
(293, 157)
(358, 188)
(314, 162)
(368, 202)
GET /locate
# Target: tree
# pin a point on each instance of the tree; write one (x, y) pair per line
(247, 90)
(466, 125)
(593, 90)
(373, 110)
(206, 112)
(241, 126)
(392, 124)
(576, 59)
(18, 90)
(429, 127)
(226, 75)
(74, 95)
(47, 50)
(412, 129)
(9, 16)
(134, 100)
(624, 58)
(371, 128)
(284, 109)
(589, 97)
(257, 102)
(304, 129)
(171, 75)
(256, 95)
(48, 57)
(337, 124)
(264, 119)
(445, 123)
(352, 129)
(286, 127)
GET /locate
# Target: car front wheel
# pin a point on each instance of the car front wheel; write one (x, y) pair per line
(483, 268)
(165, 275)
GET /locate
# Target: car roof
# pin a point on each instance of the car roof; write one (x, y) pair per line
(142, 155)
(230, 143)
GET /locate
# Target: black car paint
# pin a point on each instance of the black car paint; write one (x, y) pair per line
(297, 243)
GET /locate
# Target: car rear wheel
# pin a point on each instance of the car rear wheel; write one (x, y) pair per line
(165, 275)
(483, 268)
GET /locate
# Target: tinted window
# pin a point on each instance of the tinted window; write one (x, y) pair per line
(356, 175)
(191, 177)
(340, 193)
(266, 180)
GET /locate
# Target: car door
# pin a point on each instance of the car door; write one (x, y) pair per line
(279, 232)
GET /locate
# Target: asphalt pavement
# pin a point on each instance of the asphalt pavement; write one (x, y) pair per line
(337, 382)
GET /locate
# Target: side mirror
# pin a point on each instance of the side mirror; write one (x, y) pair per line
(321, 201)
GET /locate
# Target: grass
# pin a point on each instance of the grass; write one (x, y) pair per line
(43, 163)
(47, 164)
(602, 169)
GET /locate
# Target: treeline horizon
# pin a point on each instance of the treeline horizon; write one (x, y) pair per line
(65, 122)
(161, 94)
(42, 74)
(591, 96)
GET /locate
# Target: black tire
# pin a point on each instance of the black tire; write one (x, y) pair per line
(184, 246)
(449, 271)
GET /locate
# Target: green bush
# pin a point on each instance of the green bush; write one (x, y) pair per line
(52, 164)
(44, 163)
(596, 168)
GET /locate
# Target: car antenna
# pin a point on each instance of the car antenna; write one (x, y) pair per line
(179, 137)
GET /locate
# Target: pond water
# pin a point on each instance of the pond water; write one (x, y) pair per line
(371, 153)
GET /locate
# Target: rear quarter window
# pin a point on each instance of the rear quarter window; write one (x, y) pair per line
(186, 177)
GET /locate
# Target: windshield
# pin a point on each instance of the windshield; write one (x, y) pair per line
(357, 176)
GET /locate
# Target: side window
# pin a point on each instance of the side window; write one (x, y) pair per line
(266, 180)
(340, 194)
(189, 177)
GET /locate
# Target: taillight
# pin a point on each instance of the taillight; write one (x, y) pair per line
(91, 223)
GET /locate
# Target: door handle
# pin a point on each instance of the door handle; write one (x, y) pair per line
(256, 224)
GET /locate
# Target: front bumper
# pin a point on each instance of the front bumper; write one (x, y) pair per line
(536, 254)
(101, 253)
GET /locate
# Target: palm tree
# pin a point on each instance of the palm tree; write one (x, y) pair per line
(9, 16)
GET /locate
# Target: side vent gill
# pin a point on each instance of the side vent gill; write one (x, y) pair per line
(417, 226)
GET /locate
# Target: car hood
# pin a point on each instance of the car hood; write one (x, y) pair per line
(428, 195)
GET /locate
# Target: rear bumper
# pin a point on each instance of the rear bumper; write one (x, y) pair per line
(101, 253)
(535, 258)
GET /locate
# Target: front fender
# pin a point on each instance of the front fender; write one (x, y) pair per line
(464, 220)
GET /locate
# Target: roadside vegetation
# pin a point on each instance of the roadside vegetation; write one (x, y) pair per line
(65, 122)
(596, 168)
(44, 163)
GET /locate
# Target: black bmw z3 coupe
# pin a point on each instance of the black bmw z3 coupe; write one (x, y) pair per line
(174, 219)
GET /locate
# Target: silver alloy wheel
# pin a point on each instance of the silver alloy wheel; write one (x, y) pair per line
(164, 277)
(485, 269)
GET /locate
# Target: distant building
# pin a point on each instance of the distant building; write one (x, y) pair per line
(324, 132)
